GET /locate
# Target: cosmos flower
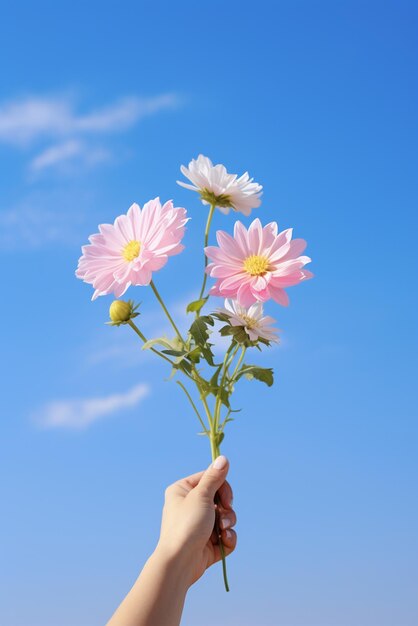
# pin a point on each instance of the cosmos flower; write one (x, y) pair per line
(256, 264)
(129, 251)
(217, 187)
(251, 319)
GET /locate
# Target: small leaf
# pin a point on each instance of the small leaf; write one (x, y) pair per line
(208, 319)
(226, 330)
(264, 374)
(196, 305)
(224, 397)
(208, 355)
(194, 355)
(184, 366)
(199, 331)
(175, 352)
(160, 341)
(214, 380)
(221, 316)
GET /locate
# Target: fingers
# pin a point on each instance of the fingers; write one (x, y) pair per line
(183, 486)
(225, 495)
(227, 519)
(213, 477)
(229, 542)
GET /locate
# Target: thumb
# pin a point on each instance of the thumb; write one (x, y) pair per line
(214, 477)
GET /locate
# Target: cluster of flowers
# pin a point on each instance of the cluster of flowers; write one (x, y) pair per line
(250, 267)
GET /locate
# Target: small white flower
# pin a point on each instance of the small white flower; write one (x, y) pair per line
(216, 186)
(252, 319)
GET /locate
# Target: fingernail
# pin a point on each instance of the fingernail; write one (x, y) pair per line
(228, 534)
(225, 523)
(220, 462)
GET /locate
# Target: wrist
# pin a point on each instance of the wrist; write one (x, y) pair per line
(175, 565)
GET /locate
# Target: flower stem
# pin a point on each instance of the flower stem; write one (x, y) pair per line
(229, 357)
(241, 356)
(215, 453)
(144, 339)
(194, 406)
(160, 300)
(207, 229)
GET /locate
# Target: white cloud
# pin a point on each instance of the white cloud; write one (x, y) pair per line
(25, 121)
(78, 414)
(61, 134)
(69, 151)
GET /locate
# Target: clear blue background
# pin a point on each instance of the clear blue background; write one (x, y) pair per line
(317, 100)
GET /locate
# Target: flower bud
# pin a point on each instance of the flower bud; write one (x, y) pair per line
(120, 311)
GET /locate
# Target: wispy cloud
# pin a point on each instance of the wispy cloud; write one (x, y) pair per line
(22, 122)
(61, 133)
(79, 414)
(68, 152)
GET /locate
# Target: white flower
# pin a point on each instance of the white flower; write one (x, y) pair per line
(252, 319)
(216, 186)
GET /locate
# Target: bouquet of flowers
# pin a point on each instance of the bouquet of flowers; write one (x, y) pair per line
(250, 267)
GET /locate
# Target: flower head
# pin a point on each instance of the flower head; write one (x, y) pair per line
(217, 187)
(129, 251)
(120, 312)
(251, 320)
(256, 264)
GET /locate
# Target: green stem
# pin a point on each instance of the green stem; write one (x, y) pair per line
(194, 406)
(144, 339)
(229, 357)
(215, 453)
(160, 300)
(241, 357)
(207, 229)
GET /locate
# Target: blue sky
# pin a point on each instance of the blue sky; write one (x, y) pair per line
(99, 106)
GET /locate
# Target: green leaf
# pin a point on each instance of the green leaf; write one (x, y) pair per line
(184, 366)
(199, 329)
(221, 316)
(214, 380)
(175, 352)
(208, 355)
(264, 374)
(160, 341)
(196, 305)
(224, 397)
(226, 330)
(194, 355)
(208, 319)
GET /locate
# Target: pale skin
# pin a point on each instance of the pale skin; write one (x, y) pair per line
(187, 546)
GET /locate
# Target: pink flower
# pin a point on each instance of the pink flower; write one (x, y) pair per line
(251, 319)
(256, 264)
(138, 244)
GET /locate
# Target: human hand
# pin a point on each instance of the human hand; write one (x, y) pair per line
(187, 528)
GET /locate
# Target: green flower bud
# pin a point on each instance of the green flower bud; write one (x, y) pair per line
(121, 312)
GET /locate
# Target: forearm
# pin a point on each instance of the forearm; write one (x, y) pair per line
(157, 597)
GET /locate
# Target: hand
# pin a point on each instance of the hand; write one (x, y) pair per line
(187, 528)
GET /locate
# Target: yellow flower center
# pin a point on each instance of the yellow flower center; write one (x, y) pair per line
(256, 265)
(131, 250)
(250, 322)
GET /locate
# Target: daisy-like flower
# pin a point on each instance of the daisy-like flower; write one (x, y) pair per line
(129, 251)
(256, 264)
(251, 319)
(217, 187)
